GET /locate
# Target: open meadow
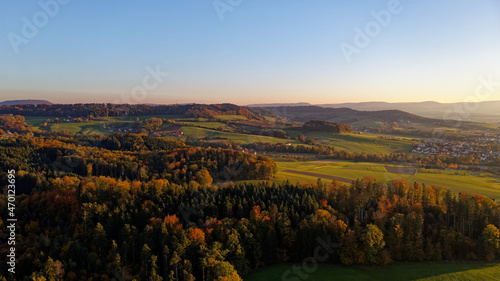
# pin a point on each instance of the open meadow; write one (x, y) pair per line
(352, 142)
(482, 183)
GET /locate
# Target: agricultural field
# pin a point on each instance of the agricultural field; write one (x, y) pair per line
(196, 132)
(482, 183)
(144, 117)
(369, 143)
(231, 118)
(208, 125)
(80, 128)
(36, 121)
(400, 272)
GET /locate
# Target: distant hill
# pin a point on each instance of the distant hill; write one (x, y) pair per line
(370, 119)
(106, 110)
(325, 126)
(34, 102)
(348, 115)
(279, 104)
(485, 112)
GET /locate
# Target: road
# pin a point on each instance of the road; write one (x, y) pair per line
(349, 181)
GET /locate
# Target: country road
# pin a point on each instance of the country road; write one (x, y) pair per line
(319, 176)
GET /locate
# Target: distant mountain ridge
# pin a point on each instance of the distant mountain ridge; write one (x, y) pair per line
(360, 119)
(16, 102)
(278, 104)
(305, 113)
(487, 111)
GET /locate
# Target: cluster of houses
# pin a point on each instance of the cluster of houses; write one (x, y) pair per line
(122, 130)
(251, 151)
(456, 149)
(178, 134)
(174, 134)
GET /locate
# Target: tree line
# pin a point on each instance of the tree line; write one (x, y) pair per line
(97, 110)
(132, 157)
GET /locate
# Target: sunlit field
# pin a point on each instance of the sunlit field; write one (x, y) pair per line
(483, 183)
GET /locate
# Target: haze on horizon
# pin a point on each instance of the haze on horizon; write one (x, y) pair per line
(252, 52)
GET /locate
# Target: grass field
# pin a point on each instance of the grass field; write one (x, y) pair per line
(237, 138)
(36, 121)
(368, 143)
(84, 127)
(231, 118)
(457, 181)
(209, 125)
(144, 117)
(400, 272)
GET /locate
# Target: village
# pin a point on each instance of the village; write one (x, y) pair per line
(480, 148)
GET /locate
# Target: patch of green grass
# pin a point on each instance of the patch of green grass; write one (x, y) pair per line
(84, 127)
(237, 138)
(144, 117)
(209, 125)
(484, 184)
(400, 272)
(231, 118)
(36, 122)
(246, 127)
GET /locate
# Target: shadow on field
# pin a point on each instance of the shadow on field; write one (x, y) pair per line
(400, 272)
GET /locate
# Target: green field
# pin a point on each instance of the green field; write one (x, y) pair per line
(144, 117)
(237, 138)
(208, 125)
(231, 118)
(457, 181)
(368, 143)
(79, 128)
(36, 121)
(400, 272)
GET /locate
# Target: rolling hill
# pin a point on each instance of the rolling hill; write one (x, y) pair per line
(210, 111)
(16, 102)
(372, 119)
(485, 112)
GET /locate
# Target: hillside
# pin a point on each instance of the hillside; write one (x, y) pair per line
(347, 115)
(484, 112)
(209, 111)
(431, 109)
(371, 119)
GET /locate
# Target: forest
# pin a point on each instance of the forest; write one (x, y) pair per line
(132, 157)
(324, 126)
(97, 228)
(116, 110)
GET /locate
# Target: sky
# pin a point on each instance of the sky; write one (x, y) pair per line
(247, 52)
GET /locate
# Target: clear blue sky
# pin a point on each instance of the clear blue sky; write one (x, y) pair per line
(262, 51)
